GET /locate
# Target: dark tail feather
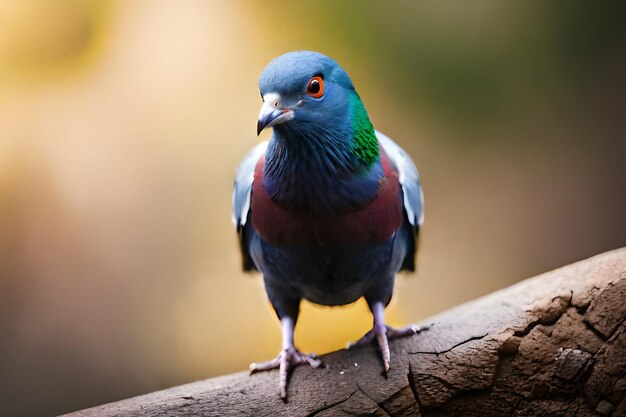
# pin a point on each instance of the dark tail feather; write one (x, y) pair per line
(244, 243)
(408, 264)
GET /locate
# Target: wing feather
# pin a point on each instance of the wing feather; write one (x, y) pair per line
(242, 193)
(243, 185)
(409, 179)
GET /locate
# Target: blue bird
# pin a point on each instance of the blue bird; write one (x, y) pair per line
(328, 209)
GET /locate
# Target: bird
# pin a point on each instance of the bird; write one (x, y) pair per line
(328, 209)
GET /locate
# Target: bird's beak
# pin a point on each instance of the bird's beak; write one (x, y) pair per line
(273, 112)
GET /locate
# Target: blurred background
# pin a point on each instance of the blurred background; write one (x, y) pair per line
(122, 123)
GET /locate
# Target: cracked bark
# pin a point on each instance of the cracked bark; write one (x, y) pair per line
(551, 345)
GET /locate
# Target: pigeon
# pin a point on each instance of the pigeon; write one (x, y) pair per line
(328, 209)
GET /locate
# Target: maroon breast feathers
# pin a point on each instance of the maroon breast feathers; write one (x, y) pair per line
(375, 222)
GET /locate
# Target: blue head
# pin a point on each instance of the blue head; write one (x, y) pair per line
(321, 131)
(304, 90)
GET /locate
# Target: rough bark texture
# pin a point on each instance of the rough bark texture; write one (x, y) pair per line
(553, 345)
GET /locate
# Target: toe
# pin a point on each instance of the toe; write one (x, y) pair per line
(284, 372)
(285, 361)
(383, 345)
(393, 333)
(264, 366)
(315, 363)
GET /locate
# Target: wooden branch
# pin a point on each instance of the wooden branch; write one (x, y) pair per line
(551, 345)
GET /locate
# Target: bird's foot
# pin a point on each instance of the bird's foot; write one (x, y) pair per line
(285, 361)
(392, 333)
(382, 334)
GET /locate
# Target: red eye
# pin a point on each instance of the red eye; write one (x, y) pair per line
(315, 87)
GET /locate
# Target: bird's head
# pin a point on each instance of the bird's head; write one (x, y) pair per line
(304, 89)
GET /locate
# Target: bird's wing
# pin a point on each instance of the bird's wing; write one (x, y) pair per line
(242, 193)
(409, 180)
(243, 185)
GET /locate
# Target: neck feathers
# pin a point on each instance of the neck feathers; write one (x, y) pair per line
(364, 143)
(321, 168)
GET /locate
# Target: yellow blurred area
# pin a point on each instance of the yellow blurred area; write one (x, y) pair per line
(68, 34)
(122, 124)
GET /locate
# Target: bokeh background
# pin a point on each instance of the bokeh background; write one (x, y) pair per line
(122, 123)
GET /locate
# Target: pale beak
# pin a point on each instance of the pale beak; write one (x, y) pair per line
(273, 112)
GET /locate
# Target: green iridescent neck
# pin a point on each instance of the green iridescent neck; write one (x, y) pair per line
(365, 143)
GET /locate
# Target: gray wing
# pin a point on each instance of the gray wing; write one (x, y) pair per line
(409, 179)
(243, 185)
(242, 193)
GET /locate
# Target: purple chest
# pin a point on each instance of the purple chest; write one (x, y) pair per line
(375, 222)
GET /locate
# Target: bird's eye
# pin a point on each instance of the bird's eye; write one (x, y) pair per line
(315, 87)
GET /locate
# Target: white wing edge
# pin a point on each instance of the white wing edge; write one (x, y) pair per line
(409, 179)
(243, 184)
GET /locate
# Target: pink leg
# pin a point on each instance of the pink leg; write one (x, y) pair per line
(288, 358)
(383, 332)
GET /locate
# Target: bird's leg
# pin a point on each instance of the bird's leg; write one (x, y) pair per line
(288, 357)
(382, 333)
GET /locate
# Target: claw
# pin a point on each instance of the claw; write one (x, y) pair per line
(286, 360)
(383, 334)
(392, 333)
(264, 366)
(383, 345)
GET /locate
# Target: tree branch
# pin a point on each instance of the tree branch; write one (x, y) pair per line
(551, 345)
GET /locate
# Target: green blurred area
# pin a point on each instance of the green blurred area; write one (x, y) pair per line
(475, 66)
(122, 123)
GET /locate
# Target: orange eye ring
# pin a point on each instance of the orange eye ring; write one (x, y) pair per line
(315, 87)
